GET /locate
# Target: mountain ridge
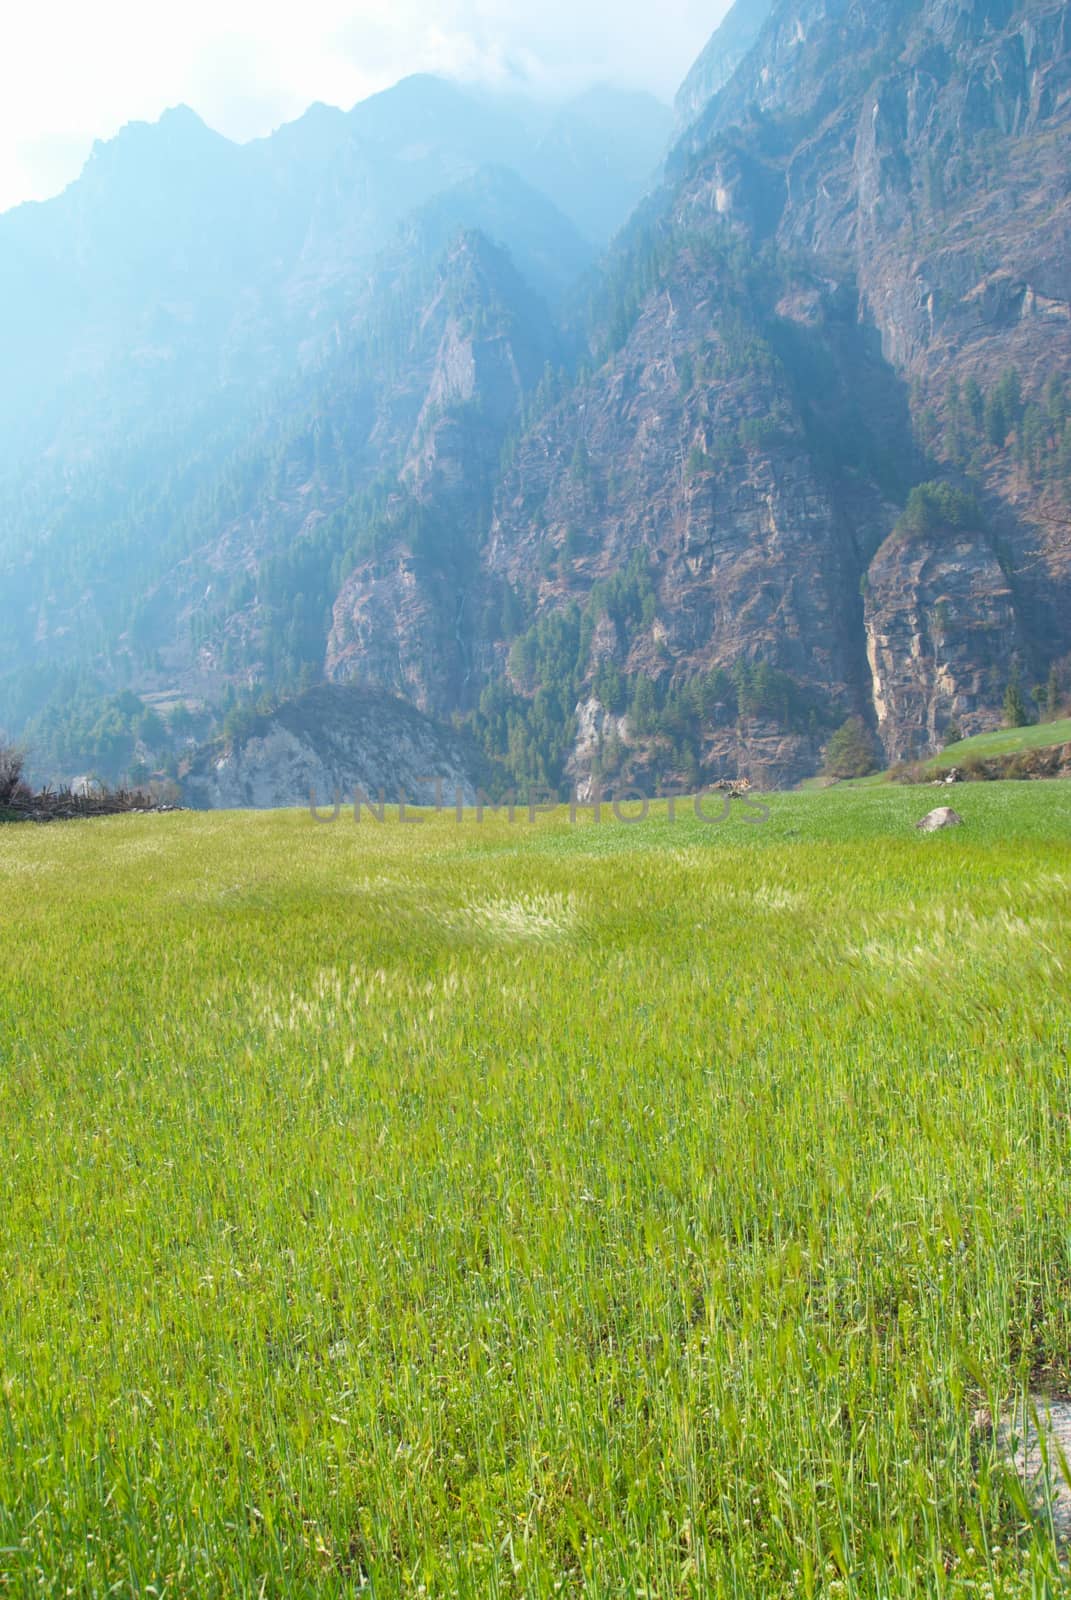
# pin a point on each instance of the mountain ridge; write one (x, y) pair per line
(795, 453)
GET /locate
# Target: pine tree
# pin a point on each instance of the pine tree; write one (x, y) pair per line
(1016, 714)
(644, 708)
(996, 421)
(850, 752)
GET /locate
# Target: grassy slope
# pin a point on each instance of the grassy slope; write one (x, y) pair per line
(531, 1211)
(984, 746)
(1005, 742)
(871, 781)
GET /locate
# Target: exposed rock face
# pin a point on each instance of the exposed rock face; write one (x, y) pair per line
(920, 153)
(911, 161)
(596, 730)
(736, 35)
(182, 335)
(713, 489)
(331, 742)
(389, 629)
(873, 202)
(941, 628)
(403, 618)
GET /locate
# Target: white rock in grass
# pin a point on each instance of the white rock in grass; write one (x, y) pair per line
(943, 817)
(1035, 1441)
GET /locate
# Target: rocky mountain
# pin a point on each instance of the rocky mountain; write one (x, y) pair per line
(181, 263)
(818, 464)
(855, 280)
(191, 312)
(797, 452)
(332, 745)
(400, 618)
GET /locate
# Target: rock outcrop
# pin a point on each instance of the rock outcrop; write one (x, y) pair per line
(917, 155)
(333, 741)
(1033, 1439)
(901, 174)
(941, 629)
(708, 485)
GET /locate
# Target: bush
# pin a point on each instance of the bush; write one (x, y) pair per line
(1058, 690)
(909, 772)
(11, 765)
(850, 753)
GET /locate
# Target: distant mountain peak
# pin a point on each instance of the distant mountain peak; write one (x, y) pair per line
(181, 116)
(420, 90)
(178, 130)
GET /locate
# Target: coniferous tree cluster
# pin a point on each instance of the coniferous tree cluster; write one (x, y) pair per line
(977, 424)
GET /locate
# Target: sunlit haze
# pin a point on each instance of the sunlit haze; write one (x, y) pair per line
(72, 73)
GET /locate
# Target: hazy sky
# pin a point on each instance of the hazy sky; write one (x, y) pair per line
(75, 70)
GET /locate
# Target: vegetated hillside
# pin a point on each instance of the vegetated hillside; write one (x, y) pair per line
(195, 584)
(799, 452)
(920, 155)
(1039, 750)
(180, 262)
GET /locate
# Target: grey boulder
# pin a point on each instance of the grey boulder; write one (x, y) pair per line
(943, 817)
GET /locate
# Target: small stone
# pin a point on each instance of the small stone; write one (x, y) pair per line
(943, 817)
(1034, 1441)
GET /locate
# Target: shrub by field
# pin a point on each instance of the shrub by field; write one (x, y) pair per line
(532, 1211)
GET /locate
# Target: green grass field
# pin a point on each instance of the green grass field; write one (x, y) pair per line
(548, 1210)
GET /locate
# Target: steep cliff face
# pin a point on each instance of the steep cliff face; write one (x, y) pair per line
(854, 279)
(708, 486)
(332, 742)
(941, 629)
(405, 618)
(361, 509)
(923, 149)
(201, 363)
(727, 48)
(920, 154)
